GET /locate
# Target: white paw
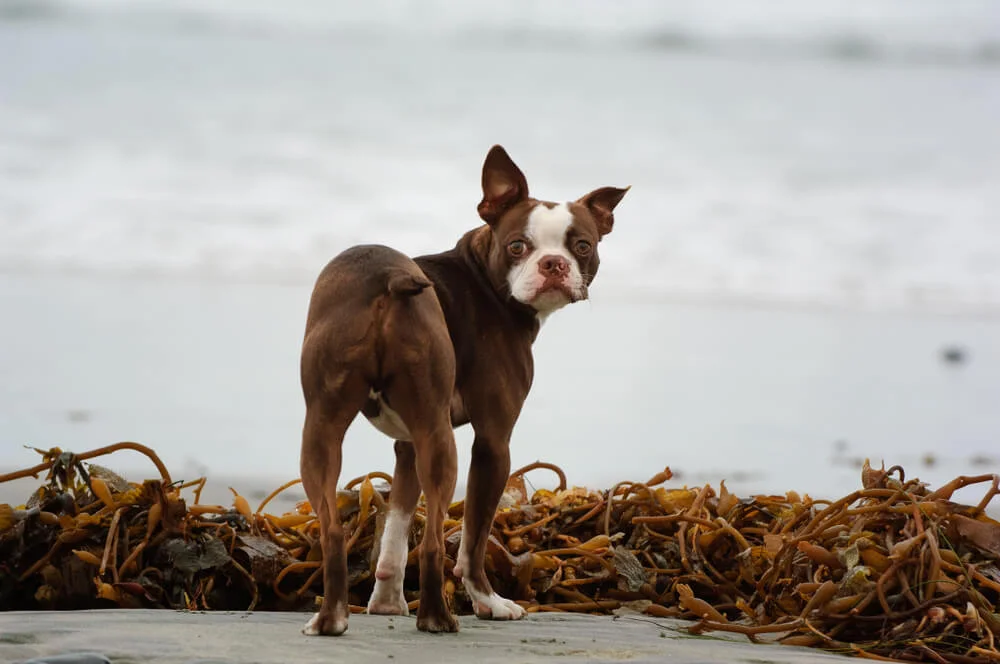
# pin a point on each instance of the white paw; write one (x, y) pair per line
(387, 599)
(312, 628)
(495, 607)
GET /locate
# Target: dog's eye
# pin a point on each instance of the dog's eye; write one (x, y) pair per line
(582, 247)
(517, 248)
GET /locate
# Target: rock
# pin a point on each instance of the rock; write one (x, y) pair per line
(954, 354)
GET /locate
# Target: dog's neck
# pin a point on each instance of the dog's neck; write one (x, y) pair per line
(476, 247)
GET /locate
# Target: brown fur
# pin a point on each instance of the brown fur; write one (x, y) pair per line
(456, 353)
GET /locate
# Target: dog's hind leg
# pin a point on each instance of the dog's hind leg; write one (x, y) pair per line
(437, 467)
(387, 596)
(424, 402)
(421, 391)
(418, 370)
(328, 416)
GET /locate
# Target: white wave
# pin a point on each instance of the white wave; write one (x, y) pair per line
(915, 31)
(198, 156)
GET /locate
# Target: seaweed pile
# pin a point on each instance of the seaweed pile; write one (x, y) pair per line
(892, 570)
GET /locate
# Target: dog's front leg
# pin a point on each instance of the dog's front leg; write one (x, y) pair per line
(487, 477)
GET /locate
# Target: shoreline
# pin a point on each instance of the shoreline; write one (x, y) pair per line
(622, 292)
(769, 400)
(256, 488)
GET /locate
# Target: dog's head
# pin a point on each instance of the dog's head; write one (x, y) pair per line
(547, 252)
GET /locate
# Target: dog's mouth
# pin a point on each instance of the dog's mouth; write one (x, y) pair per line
(547, 293)
(554, 284)
(554, 290)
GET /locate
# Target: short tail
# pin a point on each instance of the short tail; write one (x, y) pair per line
(405, 284)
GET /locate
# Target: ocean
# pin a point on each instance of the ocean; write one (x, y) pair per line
(813, 217)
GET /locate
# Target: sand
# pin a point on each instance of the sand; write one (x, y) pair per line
(167, 637)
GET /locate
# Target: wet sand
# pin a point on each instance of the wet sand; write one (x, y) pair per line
(170, 637)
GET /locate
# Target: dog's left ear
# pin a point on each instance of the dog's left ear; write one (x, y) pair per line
(504, 185)
(601, 203)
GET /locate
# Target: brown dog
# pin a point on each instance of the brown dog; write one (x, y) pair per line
(421, 346)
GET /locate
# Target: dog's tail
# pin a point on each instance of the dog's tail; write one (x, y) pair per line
(402, 283)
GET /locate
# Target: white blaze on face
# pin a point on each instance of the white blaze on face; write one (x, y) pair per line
(546, 232)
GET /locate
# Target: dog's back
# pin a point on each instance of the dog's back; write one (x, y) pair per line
(367, 302)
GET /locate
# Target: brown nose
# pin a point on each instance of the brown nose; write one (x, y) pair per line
(553, 266)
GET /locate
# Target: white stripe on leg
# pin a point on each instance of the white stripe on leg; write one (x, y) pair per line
(387, 596)
(462, 559)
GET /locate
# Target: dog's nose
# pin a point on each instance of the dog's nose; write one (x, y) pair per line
(553, 266)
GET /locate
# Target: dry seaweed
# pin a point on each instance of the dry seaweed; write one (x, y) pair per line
(893, 569)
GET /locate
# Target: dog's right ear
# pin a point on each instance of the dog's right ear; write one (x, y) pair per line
(504, 185)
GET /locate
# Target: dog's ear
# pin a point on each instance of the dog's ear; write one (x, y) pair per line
(504, 185)
(601, 203)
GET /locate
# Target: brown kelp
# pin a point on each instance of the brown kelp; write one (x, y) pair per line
(892, 570)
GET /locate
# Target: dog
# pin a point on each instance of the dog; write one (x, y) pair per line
(421, 346)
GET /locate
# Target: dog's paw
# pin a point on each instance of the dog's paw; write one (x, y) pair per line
(325, 626)
(387, 600)
(495, 607)
(437, 622)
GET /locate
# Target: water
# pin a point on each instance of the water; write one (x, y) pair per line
(846, 153)
(173, 176)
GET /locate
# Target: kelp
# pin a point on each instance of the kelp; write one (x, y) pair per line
(891, 570)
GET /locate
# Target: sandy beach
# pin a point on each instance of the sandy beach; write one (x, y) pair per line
(168, 637)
